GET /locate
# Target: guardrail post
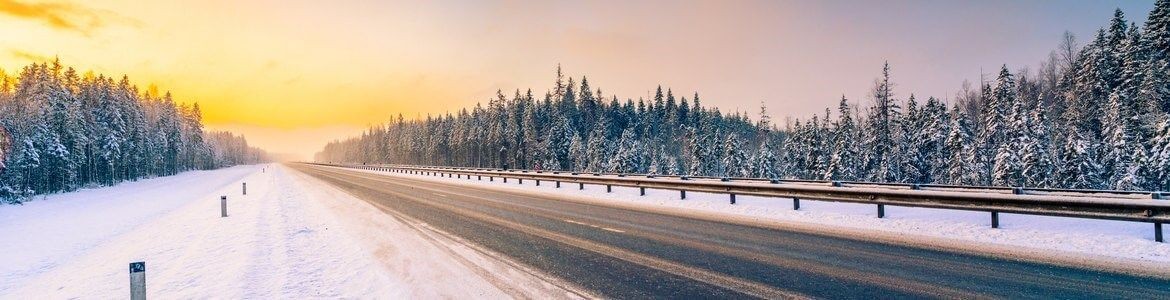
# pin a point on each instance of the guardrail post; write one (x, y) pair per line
(138, 280)
(732, 198)
(1157, 225)
(995, 219)
(795, 203)
(222, 206)
(881, 210)
(1158, 232)
(682, 194)
(642, 191)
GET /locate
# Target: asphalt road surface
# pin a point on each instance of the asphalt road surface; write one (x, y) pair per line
(625, 254)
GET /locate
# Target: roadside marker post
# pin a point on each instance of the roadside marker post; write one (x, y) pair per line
(223, 206)
(1158, 232)
(138, 280)
(245, 188)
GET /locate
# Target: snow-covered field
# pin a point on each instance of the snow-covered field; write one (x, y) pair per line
(290, 237)
(1099, 243)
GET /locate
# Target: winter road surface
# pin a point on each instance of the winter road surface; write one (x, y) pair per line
(629, 253)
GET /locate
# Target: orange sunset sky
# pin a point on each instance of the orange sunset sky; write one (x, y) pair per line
(292, 75)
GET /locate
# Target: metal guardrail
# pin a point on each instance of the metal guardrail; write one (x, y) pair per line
(1089, 204)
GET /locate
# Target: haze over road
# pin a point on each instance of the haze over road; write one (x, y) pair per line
(623, 253)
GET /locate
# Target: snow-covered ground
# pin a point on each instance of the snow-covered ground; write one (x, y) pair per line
(291, 236)
(1125, 246)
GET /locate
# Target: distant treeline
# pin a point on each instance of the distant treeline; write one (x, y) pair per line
(1089, 117)
(68, 131)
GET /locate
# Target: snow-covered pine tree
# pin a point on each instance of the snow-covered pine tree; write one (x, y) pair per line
(1035, 148)
(578, 154)
(764, 162)
(1157, 176)
(935, 127)
(597, 150)
(911, 146)
(629, 155)
(961, 165)
(844, 160)
(879, 160)
(735, 162)
(1078, 168)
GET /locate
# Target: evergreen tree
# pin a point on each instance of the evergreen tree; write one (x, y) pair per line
(764, 163)
(961, 167)
(629, 156)
(735, 161)
(844, 161)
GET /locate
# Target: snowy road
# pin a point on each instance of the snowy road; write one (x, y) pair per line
(291, 236)
(632, 253)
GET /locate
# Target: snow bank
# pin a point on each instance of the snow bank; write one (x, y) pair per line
(290, 237)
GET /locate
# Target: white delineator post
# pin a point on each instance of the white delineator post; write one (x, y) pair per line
(222, 206)
(138, 280)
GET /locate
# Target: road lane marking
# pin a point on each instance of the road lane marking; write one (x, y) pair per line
(440, 195)
(595, 226)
